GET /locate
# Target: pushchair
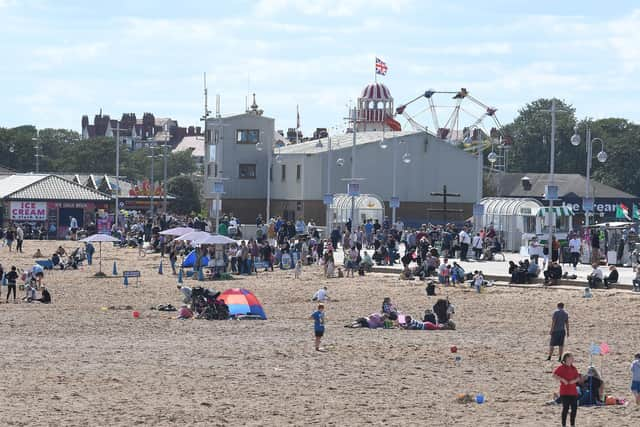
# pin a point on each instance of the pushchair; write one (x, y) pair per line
(205, 305)
(75, 258)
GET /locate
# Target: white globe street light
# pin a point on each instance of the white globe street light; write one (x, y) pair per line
(383, 144)
(340, 162)
(259, 146)
(406, 158)
(575, 138)
(492, 157)
(602, 157)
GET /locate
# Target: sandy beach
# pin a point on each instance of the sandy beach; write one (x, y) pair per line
(72, 363)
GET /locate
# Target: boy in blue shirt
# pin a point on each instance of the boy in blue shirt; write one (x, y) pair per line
(318, 325)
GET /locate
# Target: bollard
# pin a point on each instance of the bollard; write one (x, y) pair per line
(115, 269)
(160, 268)
(126, 282)
(180, 280)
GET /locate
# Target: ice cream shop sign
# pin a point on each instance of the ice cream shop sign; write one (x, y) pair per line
(28, 211)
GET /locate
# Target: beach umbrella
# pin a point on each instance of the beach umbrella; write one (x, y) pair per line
(242, 301)
(177, 231)
(99, 238)
(215, 239)
(194, 236)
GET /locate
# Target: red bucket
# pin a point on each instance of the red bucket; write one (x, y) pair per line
(136, 314)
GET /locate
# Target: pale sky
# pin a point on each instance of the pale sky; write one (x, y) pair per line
(62, 59)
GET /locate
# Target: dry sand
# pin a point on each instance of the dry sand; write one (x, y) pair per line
(71, 363)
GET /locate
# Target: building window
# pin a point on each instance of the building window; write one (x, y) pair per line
(247, 171)
(283, 175)
(212, 169)
(298, 172)
(247, 136)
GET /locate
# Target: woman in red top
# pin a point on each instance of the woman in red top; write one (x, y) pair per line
(568, 376)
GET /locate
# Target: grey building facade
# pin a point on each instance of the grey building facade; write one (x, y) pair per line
(238, 149)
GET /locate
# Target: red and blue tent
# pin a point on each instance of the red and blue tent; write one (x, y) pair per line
(242, 301)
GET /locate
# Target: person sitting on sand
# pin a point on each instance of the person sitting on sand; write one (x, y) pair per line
(389, 309)
(406, 274)
(592, 388)
(553, 273)
(366, 262)
(612, 278)
(45, 298)
(321, 295)
(186, 293)
(596, 277)
(184, 313)
(38, 254)
(60, 251)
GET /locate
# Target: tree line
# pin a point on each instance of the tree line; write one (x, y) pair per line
(62, 151)
(531, 135)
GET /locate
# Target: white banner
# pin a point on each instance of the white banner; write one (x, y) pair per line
(28, 211)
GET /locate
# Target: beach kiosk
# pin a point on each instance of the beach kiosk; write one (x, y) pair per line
(511, 218)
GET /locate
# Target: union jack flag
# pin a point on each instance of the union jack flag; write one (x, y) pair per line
(381, 67)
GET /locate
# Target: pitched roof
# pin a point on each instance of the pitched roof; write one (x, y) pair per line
(46, 187)
(511, 186)
(341, 141)
(194, 143)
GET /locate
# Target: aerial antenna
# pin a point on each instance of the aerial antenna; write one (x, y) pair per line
(206, 100)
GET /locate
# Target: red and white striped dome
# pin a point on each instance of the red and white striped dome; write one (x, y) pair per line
(376, 92)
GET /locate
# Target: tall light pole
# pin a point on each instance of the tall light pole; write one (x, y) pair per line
(36, 141)
(551, 191)
(602, 157)
(260, 147)
(479, 170)
(164, 179)
(353, 167)
(152, 189)
(329, 194)
(406, 159)
(117, 210)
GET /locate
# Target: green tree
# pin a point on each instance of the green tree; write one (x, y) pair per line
(531, 134)
(187, 193)
(621, 143)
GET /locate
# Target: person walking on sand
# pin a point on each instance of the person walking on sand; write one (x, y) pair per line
(559, 330)
(12, 277)
(318, 325)
(568, 376)
(19, 238)
(635, 379)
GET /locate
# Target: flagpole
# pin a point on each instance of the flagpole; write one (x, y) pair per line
(375, 70)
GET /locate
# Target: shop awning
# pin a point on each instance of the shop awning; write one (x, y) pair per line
(557, 210)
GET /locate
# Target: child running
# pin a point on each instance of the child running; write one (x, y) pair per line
(318, 325)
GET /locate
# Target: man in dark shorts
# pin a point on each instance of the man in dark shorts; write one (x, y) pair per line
(559, 330)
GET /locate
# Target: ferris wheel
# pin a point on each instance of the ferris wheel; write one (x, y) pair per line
(458, 118)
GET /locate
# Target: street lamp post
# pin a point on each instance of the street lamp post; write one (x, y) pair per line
(602, 157)
(117, 210)
(164, 179)
(37, 156)
(260, 147)
(152, 189)
(552, 190)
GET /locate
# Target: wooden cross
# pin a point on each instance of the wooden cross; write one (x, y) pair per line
(444, 194)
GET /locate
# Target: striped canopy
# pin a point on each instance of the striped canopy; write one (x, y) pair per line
(557, 210)
(242, 301)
